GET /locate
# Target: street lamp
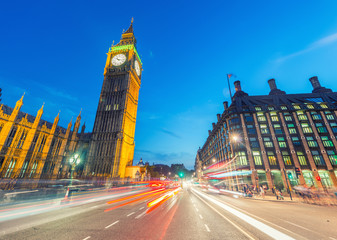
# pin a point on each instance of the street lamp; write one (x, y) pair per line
(214, 160)
(74, 160)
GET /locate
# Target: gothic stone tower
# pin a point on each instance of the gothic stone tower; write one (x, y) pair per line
(112, 144)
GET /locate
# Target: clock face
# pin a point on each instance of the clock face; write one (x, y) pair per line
(118, 60)
(137, 67)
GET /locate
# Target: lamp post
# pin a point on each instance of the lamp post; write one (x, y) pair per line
(235, 139)
(74, 160)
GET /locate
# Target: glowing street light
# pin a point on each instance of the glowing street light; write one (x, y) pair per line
(214, 160)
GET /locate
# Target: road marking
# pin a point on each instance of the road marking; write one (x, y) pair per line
(272, 232)
(94, 207)
(112, 224)
(140, 215)
(197, 209)
(332, 238)
(200, 216)
(141, 208)
(299, 226)
(130, 214)
(207, 228)
(87, 238)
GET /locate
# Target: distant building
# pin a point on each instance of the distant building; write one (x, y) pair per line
(271, 136)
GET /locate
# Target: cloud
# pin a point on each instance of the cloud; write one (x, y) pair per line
(317, 44)
(170, 133)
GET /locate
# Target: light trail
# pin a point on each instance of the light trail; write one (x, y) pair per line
(133, 196)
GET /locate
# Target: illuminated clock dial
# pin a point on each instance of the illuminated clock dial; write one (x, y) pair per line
(118, 60)
(137, 67)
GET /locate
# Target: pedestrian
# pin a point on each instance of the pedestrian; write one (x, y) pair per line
(262, 192)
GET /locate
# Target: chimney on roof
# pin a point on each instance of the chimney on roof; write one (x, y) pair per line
(225, 105)
(213, 125)
(237, 85)
(315, 82)
(272, 84)
(218, 117)
(317, 86)
(209, 132)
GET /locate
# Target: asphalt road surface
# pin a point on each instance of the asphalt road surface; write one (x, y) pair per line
(192, 213)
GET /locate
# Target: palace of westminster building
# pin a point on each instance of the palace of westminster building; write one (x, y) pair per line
(33, 152)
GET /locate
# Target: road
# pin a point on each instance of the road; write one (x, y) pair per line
(192, 213)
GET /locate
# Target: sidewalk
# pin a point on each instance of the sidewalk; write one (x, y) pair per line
(272, 198)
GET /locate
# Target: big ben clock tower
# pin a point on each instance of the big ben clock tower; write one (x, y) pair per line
(112, 142)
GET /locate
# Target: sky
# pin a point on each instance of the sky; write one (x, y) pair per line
(55, 52)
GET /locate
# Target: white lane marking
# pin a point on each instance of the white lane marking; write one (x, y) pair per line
(141, 208)
(130, 214)
(94, 207)
(197, 209)
(112, 224)
(272, 232)
(299, 226)
(87, 238)
(207, 228)
(200, 216)
(236, 226)
(140, 215)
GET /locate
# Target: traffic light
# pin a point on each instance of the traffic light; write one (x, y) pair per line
(298, 171)
(318, 178)
(290, 176)
(181, 174)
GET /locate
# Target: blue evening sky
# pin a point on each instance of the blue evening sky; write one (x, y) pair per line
(55, 51)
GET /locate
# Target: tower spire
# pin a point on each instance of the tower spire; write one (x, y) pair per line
(130, 29)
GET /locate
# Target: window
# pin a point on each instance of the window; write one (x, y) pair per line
(261, 117)
(306, 128)
(321, 128)
(267, 142)
(281, 142)
(258, 109)
(301, 116)
(271, 108)
(311, 142)
(301, 158)
(23, 169)
(326, 141)
(253, 143)
(10, 137)
(316, 116)
(271, 158)
(296, 141)
(43, 141)
(274, 117)
(251, 129)
(22, 139)
(297, 107)
(108, 107)
(242, 161)
(318, 159)
(288, 118)
(323, 105)
(291, 128)
(264, 129)
(249, 119)
(116, 106)
(310, 106)
(277, 128)
(329, 116)
(10, 168)
(257, 158)
(32, 172)
(332, 156)
(286, 158)
(284, 107)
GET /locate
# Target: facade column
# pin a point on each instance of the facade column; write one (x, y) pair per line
(308, 152)
(254, 175)
(292, 149)
(263, 153)
(278, 152)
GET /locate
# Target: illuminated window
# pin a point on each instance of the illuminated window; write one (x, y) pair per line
(296, 141)
(10, 168)
(306, 128)
(271, 158)
(288, 118)
(286, 158)
(32, 172)
(274, 117)
(318, 159)
(268, 142)
(257, 158)
(284, 107)
(108, 107)
(242, 159)
(316, 116)
(333, 127)
(326, 141)
(332, 156)
(271, 108)
(297, 107)
(253, 142)
(301, 116)
(277, 128)
(291, 128)
(116, 106)
(323, 105)
(281, 142)
(264, 129)
(310, 106)
(329, 116)
(258, 109)
(301, 158)
(261, 117)
(311, 142)
(321, 128)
